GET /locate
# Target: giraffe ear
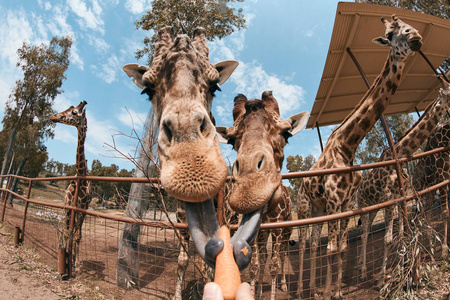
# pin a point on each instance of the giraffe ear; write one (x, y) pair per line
(136, 72)
(381, 41)
(298, 122)
(222, 134)
(225, 69)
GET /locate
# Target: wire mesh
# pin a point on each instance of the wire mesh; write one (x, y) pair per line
(157, 250)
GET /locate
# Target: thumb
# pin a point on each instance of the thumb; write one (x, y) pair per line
(244, 292)
(212, 291)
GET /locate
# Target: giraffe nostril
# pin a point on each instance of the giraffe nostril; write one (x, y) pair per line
(236, 168)
(260, 162)
(167, 130)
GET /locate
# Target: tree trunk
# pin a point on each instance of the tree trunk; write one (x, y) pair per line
(138, 204)
(8, 151)
(13, 185)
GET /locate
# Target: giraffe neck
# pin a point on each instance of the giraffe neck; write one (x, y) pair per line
(364, 116)
(423, 127)
(81, 159)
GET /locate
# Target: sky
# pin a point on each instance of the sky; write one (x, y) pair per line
(283, 50)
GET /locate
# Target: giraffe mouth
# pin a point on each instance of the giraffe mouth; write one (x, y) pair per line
(415, 44)
(204, 229)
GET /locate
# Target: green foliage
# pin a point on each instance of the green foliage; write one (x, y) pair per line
(375, 141)
(438, 8)
(57, 168)
(109, 190)
(184, 16)
(298, 164)
(25, 123)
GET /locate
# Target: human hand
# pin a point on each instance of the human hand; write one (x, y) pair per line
(212, 291)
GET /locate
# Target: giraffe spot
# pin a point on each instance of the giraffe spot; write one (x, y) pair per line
(365, 124)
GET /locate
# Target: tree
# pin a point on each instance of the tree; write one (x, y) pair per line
(184, 16)
(109, 190)
(30, 103)
(298, 164)
(375, 141)
(438, 8)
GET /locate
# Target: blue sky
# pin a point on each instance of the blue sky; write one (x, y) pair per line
(283, 49)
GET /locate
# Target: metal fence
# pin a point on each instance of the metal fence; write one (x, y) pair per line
(158, 247)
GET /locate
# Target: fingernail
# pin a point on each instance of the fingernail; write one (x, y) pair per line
(210, 291)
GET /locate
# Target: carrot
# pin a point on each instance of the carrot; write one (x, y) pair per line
(227, 274)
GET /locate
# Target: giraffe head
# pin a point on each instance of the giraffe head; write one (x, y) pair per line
(403, 39)
(259, 135)
(181, 83)
(75, 116)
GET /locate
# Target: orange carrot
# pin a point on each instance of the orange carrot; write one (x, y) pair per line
(227, 274)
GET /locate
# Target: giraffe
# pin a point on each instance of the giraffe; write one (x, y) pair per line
(326, 195)
(381, 184)
(433, 169)
(259, 135)
(181, 83)
(75, 116)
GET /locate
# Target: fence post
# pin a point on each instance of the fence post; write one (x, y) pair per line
(5, 198)
(62, 263)
(25, 210)
(17, 236)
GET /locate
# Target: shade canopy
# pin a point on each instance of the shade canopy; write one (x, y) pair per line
(342, 86)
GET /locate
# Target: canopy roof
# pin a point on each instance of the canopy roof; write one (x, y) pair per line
(342, 86)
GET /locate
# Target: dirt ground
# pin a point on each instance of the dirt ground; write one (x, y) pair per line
(24, 276)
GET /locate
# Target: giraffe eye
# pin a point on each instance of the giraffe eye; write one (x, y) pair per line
(389, 36)
(74, 112)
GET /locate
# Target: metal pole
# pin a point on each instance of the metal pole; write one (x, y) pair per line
(432, 67)
(417, 111)
(389, 138)
(320, 137)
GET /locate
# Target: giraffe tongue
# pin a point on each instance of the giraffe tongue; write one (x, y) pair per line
(203, 226)
(204, 229)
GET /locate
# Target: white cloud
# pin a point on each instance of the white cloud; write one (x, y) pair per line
(137, 6)
(5, 91)
(100, 45)
(67, 99)
(252, 80)
(75, 57)
(15, 30)
(132, 119)
(45, 4)
(88, 17)
(67, 135)
(108, 71)
(228, 48)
